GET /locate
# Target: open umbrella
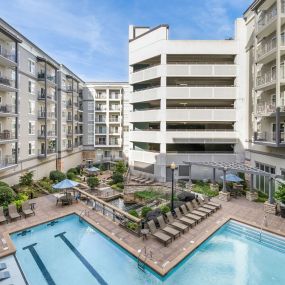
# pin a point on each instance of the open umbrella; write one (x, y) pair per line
(232, 178)
(65, 184)
(93, 169)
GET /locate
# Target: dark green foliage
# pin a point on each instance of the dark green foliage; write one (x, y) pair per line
(117, 178)
(93, 181)
(27, 179)
(280, 194)
(145, 210)
(7, 195)
(164, 209)
(57, 176)
(2, 183)
(120, 167)
(134, 213)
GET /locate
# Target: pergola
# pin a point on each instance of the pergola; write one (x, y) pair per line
(234, 167)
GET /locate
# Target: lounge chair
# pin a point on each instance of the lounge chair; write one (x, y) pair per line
(196, 211)
(202, 203)
(2, 216)
(13, 213)
(3, 266)
(4, 275)
(189, 214)
(150, 181)
(201, 208)
(185, 220)
(161, 236)
(26, 209)
(207, 200)
(169, 230)
(177, 225)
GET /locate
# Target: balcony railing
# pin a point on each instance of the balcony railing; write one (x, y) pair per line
(102, 96)
(42, 152)
(7, 109)
(41, 76)
(48, 115)
(7, 135)
(98, 108)
(267, 18)
(69, 119)
(41, 134)
(114, 96)
(6, 54)
(268, 137)
(6, 81)
(100, 142)
(97, 120)
(266, 78)
(115, 120)
(42, 96)
(265, 48)
(265, 109)
(7, 161)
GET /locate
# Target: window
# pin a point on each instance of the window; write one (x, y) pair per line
(32, 66)
(31, 86)
(31, 107)
(31, 148)
(31, 128)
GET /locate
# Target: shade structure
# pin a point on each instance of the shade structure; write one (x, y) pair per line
(232, 178)
(93, 169)
(65, 184)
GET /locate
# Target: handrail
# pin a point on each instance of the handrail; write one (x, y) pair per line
(125, 214)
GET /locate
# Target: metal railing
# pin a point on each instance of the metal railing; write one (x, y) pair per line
(7, 108)
(265, 109)
(41, 152)
(7, 135)
(7, 81)
(48, 115)
(265, 48)
(7, 160)
(42, 95)
(100, 120)
(267, 18)
(7, 55)
(114, 120)
(42, 134)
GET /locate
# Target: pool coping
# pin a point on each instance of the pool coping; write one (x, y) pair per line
(162, 271)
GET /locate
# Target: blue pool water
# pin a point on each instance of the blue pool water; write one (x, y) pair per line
(73, 252)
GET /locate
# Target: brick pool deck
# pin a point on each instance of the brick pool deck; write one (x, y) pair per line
(163, 258)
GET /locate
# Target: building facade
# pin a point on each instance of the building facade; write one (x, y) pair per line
(265, 47)
(188, 101)
(105, 124)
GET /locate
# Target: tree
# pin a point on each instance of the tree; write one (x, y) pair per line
(93, 181)
(27, 179)
(56, 176)
(120, 167)
(117, 178)
(7, 195)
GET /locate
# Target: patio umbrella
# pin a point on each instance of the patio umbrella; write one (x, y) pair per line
(232, 178)
(65, 184)
(93, 169)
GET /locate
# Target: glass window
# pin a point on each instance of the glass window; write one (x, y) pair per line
(32, 67)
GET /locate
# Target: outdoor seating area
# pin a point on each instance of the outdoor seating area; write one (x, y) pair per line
(142, 179)
(166, 228)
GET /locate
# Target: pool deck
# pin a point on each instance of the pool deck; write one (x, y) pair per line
(163, 258)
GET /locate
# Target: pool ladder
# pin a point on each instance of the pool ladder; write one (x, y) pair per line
(83, 213)
(264, 223)
(142, 260)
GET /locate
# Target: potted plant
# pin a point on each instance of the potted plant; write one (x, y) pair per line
(280, 196)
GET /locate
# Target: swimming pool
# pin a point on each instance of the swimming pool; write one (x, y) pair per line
(67, 252)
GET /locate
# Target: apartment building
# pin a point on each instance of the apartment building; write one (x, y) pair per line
(265, 47)
(105, 124)
(188, 101)
(34, 94)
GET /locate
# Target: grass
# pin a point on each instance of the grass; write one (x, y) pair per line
(147, 194)
(262, 197)
(204, 188)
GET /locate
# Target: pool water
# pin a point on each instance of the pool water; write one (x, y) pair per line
(70, 251)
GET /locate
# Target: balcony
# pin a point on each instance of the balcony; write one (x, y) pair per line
(69, 119)
(41, 134)
(266, 51)
(69, 134)
(50, 96)
(50, 78)
(6, 136)
(100, 96)
(115, 108)
(269, 139)
(7, 110)
(114, 120)
(7, 85)
(100, 143)
(265, 110)
(80, 107)
(7, 161)
(114, 96)
(100, 120)
(48, 115)
(7, 58)
(101, 109)
(42, 153)
(267, 80)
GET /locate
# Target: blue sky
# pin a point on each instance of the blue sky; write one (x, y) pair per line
(91, 36)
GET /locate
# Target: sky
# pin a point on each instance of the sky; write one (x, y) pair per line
(91, 36)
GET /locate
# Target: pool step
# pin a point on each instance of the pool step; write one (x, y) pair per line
(262, 237)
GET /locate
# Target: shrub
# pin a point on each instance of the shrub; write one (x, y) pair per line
(120, 185)
(21, 198)
(280, 194)
(120, 167)
(132, 226)
(7, 195)
(117, 178)
(145, 210)
(71, 175)
(46, 184)
(92, 181)
(2, 183)
(72, 170)
(27, 179)
(102, 167)
(57, 176)
(134, 213)
(164, 209)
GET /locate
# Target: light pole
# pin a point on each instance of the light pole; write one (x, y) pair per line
(172, 167)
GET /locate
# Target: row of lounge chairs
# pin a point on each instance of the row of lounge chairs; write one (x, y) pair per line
(13, 213)
(143, 179)
(187, 216)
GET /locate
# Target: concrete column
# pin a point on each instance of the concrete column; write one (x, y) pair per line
(214, 176)
(271, 198)
(190, 175)
(251, 182)
(224, 180)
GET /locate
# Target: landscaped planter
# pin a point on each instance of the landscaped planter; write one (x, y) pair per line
(136, 233)
(214, 187)
(251, 196)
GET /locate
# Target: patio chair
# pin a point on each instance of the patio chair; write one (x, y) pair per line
(13, 213)
(207, 200)
(3, 266)
(161, 236)
(150, 181)
(177, 225)
(26, 209)
(169, 230)
(201, 209)
(202, 203)
(2, 216)
(189, 214)
(185, 220)
(4, 275)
